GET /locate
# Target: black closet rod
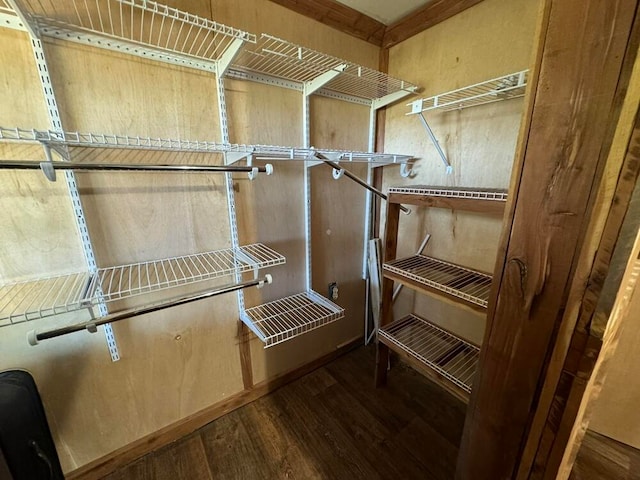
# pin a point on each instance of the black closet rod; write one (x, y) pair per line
(359, 181)
(26, 165)
(34, 337)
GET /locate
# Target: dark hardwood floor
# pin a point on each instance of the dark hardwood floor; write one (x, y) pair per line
(333, 424)
(330, 424)
(601, 458)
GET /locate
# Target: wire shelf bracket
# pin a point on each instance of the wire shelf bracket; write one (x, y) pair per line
(284, 319)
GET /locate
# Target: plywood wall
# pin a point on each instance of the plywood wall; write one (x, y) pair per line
(491, 39)
(187, 356)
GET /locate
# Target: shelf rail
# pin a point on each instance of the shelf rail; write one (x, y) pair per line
(49, 168)
(34, 337)
(337, 168)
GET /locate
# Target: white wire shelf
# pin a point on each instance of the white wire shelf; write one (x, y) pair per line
(447, 358)
(281, 320)
(498, 195)
(96, 140)
(34, 299)
(284, 60)
(494, 90)
(429, 274)
(138, 27)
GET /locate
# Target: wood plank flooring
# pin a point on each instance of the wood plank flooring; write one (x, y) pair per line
(601, 458)
(333, 424)
(330, 424)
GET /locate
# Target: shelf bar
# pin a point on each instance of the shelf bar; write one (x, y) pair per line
(444, 357)
(360, 182)
(35, 337)
(281, 320)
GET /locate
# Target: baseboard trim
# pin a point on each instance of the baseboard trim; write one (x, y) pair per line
(171, 433)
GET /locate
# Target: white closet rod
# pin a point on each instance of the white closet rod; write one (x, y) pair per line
(34, 337)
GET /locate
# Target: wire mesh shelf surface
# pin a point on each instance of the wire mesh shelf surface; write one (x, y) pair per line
(142, 27)
(279, 58)
(40, 298)
(460, 282)
(98, 140)
(448, 355)
(452, 192)
(494, 90)
(286, 318)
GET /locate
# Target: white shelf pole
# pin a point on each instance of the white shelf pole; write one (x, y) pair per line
(306, 135)
(56, 125)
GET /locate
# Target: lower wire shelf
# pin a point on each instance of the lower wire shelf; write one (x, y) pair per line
(424, 273)
(286, 318)
(34, 299)
(440, 355)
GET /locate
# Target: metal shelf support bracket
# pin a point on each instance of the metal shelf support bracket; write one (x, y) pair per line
(434, 140)
(321, 80)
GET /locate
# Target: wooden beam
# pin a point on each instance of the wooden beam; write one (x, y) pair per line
(556, 177)
(340, 17)
(489, 207)
(431, 14)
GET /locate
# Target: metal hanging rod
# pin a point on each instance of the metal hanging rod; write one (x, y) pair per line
(34, 337)
(49, 168)
(359, 181)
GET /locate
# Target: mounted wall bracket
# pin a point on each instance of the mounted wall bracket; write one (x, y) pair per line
(322, 79)
(434, 140)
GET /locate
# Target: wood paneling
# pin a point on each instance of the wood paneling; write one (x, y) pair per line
(340, 17)
(531, 281)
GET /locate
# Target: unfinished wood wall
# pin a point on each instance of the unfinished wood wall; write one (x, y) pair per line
(178, 361)
(488, 40)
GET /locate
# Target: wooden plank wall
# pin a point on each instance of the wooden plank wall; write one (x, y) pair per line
(187, 356)
(485, 41)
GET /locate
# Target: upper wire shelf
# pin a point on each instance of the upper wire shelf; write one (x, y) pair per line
(286, 318)
(140, 27)
(30, 300)
(498, 195)
(494, 90)
(282, 59)
(93, 140)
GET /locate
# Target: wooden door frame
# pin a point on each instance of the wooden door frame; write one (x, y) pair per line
(551, 247)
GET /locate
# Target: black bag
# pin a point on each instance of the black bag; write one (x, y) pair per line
(25, 438)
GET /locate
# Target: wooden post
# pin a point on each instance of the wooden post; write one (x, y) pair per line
(386, 315)
(561, 156)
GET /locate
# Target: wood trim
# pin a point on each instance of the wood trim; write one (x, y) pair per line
(339, 16)
(431, 14)
(171, 433)
(420, 288)
(381, 123)
(244, 346)
(386, 309)
(490, 207)
(552, 203)
(594, 283)
(430, 373)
